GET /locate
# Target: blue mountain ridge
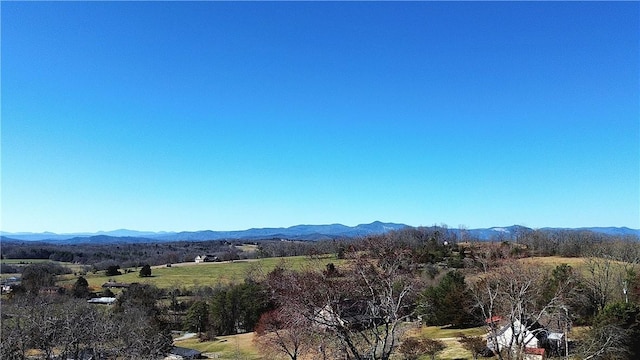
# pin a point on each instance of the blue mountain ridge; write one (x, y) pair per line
(297, 232)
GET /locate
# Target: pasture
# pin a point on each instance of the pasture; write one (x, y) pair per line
(191, 275)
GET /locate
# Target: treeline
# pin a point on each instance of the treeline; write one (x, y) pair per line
(126, 255)
(567, 243)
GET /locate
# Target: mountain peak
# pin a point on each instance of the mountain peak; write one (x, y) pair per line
(297, 232)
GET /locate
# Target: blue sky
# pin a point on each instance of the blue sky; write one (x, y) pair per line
(170, 116)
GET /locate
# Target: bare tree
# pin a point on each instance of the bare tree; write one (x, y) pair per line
(601, 279)
(284, 331)
(604, 342)
(15, 332)
(476, 345)
(78, 327)
(412, 348)
(432, 347)
(363, 308)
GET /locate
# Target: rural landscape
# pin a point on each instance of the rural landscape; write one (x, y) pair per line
(319, 180)
(410, 293)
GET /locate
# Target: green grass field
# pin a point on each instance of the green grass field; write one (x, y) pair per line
(226, 347)
(190, 275)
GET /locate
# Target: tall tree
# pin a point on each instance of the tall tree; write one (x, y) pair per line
(113, 270)
(145, 271)
(448, 303)
(37, 276)
(197, 318)
(81, 288)
(284, 331)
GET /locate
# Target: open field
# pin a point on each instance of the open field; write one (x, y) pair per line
(247, 248)
(579, 264)
(239, 346)
(19, 263)
(189, 275)
(454, 349)
(553, 261)
(440, 332)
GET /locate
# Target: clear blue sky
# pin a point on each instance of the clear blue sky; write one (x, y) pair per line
(204, 115)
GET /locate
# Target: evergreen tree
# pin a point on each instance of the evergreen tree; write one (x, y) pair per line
(145, 271)
(197, 318)
(80, 288)
(448, 303)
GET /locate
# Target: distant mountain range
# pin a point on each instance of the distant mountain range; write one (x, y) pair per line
(298, 232)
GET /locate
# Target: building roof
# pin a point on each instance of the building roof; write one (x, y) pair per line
(534, 351)
(102, 300)
(555, 336)
(493, 319)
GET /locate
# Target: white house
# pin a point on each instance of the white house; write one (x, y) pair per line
(530, 338)
(516, 334)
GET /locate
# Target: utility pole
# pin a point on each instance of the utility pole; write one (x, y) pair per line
(566, 333)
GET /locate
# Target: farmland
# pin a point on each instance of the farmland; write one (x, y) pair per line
(190, 275)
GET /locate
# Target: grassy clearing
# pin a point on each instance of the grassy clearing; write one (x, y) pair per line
(440, 332)
(190, 275)
(247, 248)
(553, 261)
(580, 265)
(454, 349)
(26, 262)
(242, 346)
(225, 347)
